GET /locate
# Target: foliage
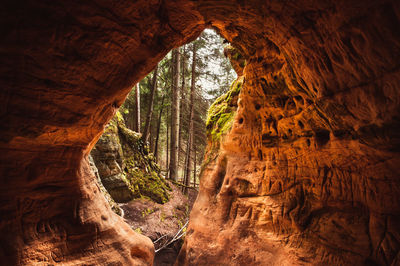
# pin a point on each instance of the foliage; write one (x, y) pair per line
(147, 211)
(142, 172)
(222, 111)
(214, 73)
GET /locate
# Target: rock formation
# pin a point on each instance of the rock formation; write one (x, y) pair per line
(126, 167)
(307, 174)
(114, 206)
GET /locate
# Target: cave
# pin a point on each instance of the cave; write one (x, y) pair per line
(308, 176)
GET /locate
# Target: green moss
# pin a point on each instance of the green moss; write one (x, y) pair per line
(233, 52)
(147, 211)
(110, 129)
(162, 217)
(119, 118)
(132, 137)
(140, 170)
(222, 112)
(149, 185)
(235, 88)
(224, 124)
(143, 173)
(236, 58)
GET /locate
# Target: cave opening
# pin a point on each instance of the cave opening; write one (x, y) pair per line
(132, 158)
(305, 172)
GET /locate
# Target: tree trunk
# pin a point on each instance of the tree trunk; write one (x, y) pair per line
(182, 102)
(191, 126)
(194, 167)
(167, 145)
(186, 165)
(175, 112)
(151, 137)
(158, 129)
(131, 116)
(137, 111)
(146, 131)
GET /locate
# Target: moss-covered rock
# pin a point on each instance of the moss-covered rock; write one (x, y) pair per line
(222, 112)
(109, 159)
(142, 171)
(126, 167)
(236, 58)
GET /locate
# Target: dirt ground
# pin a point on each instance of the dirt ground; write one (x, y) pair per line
(161, 220)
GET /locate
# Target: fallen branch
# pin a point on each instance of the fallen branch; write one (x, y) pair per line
(177, 236)
(159, 239)
(182, 185)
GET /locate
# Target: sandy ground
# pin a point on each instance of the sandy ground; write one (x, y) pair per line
(156, 220)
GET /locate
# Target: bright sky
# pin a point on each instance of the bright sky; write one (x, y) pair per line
(214, 65)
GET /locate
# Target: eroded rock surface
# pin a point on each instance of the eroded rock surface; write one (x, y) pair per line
(308, 172)
(66, 68)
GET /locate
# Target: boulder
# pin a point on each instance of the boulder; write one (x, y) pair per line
(126, 167)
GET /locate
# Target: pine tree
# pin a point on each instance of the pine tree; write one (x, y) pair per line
(175, 112)
(191, 127)
(182, 106)
(146, 131)
(137, 106)
(158, 128)
(167, 95)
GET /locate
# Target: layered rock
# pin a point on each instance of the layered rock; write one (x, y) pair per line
(126, 167)
(108, 156)
(114, 206)
(66, 68)
(307, 174)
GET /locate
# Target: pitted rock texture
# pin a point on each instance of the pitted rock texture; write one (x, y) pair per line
(66, 68)
(307, 175)
(308, 172)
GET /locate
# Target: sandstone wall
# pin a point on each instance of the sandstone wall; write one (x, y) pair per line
(308, 173)
(66, 68)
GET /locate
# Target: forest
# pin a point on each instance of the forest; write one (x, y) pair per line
(149, 159)
(200, 132)
(169, 106)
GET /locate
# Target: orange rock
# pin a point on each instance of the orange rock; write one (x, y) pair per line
(308, 173)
